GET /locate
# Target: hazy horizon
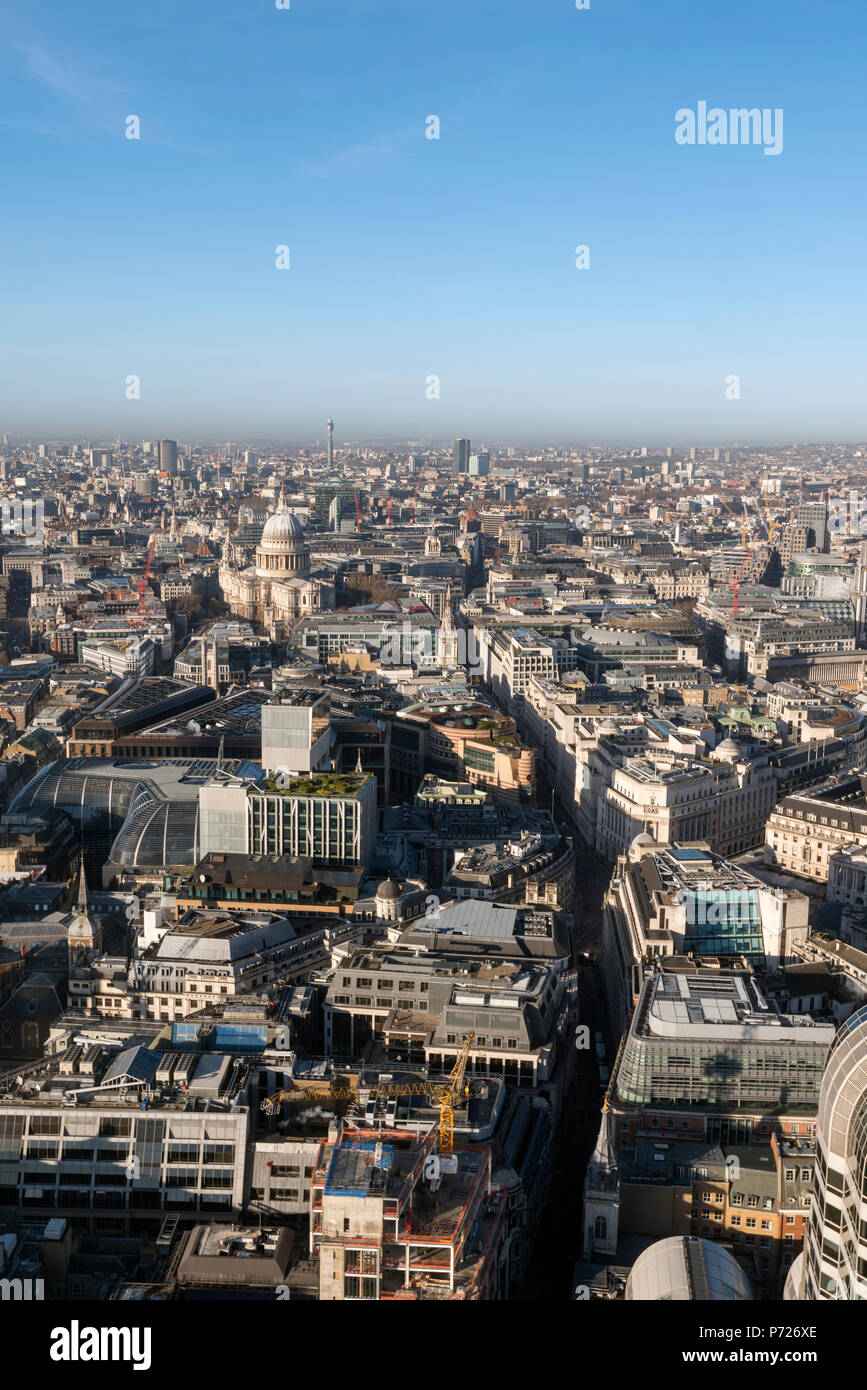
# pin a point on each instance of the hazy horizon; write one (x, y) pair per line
(655, 449)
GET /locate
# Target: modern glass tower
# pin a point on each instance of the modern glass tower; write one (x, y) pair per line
(461, 455)
(168, 455)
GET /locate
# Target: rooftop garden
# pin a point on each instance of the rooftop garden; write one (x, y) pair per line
(319, 784)
(509, 742)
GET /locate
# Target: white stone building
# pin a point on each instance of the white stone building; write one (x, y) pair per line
(278, 588)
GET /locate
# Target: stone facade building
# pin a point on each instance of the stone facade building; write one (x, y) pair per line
(278, 588)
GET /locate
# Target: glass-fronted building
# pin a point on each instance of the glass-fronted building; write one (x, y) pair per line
(724, 922)
(707, 1039)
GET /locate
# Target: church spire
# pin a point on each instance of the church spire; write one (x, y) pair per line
(82, 887)
(82, 934)
(602, 1196)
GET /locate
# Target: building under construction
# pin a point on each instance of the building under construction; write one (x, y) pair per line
(399, 1220)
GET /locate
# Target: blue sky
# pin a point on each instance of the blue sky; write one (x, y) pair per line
(412, 257)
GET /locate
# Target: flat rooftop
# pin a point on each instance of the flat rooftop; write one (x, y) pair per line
(695, 869)
(240, 713)
(646, 768)
(707, 1005)
(300, 696)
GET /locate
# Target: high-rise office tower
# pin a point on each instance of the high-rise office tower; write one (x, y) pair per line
(814, 515)
(834, 1259)
(330, 444)
(461, 455)
(480, 465)
(168, 455)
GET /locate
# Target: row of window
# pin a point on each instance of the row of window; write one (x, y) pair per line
(403, 986)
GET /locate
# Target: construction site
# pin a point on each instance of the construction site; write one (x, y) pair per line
(402, 1220)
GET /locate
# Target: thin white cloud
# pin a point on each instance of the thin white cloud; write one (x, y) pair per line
(94, 94)
(62, 76)
(356, 158)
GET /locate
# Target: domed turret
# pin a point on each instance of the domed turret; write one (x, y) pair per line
(388, 901)
(388, 890)
(642, 841)
(727, 749)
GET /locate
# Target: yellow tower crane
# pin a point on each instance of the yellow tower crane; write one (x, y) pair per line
(448, 1098)
(271, 1104)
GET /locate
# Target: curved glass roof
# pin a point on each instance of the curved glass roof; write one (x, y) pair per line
(82, 794)
(88, 787)
(158, 834)
(149, 809)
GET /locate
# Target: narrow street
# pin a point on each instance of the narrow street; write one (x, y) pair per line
(549, 1271)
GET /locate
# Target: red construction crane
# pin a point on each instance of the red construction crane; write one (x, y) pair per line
(143, 582)
(735, 580)
(357, 511)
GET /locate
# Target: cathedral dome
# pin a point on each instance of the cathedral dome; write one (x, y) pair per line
(282, 552)
(282, 526)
